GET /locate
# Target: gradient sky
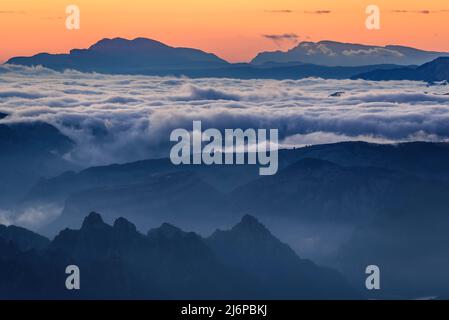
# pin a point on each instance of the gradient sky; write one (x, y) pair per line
(233, 29)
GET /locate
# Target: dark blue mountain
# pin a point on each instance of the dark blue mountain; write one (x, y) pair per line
(150, 57)
(118, 262)
(434, 71)
(28, 152)
(316, 183)
(251, 247)
(331, 53)
(178, 196)
(316, 190)
(23, 238)
(119, 55)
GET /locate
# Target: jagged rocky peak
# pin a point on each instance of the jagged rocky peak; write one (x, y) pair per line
(93, 220)
(166, 231)
(123, 225)
(251, 224)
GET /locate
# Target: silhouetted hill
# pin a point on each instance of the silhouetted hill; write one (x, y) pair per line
(24, 239)
(331, 53)
(180, 197)
(423, 159)
(318, 190)
(150, 57)
(251, 247)
(29, 151)
(124, 56)
(434, 71)
(326, 186)
(411, 251)
(118, 262)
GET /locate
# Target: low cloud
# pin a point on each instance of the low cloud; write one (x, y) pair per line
(377, 52)
(31, 217)
(116, 119)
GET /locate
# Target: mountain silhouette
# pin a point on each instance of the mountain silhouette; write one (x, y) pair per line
(153, 191)
(251, 247)
(319, 190)
(30, 151)
(159, 197)
(434, 71)
(24, 239)
(120, 55)
(150, 57)
(118, 262)
(332, 53)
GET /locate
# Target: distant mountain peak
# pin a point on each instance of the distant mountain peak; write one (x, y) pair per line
(433, 71)
(333, 53)
(124, 226)
(23, 238)
(124, 56)
(108, 44)
(249, 221)
(93, 220)
(165, 231)
(249, 225)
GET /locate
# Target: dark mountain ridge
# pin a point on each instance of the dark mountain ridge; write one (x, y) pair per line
(150, 57)
(332, 53)
(124, 56)
(118, 262)
(434, 71)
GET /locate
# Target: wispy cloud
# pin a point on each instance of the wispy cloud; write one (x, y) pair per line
(318, 12)
(279, 11)
(424, 11)
(12, 12)
(280, 38)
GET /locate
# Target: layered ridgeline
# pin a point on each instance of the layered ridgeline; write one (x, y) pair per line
(434, 71)
(29, 151)
(118, 262)
(325, 59)
(344, 183)
(345, 204)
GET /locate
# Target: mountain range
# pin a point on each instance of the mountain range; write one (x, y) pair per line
(331, 53)
(118, 262)
(325, 59)
(21, 142)
(332, 203)
(344, 205)
(434, 71)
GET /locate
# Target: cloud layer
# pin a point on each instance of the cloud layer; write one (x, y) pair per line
(126, 118)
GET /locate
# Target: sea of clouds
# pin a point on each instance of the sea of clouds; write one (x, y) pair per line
(119, 118)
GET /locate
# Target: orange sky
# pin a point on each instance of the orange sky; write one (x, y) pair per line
(233, 29)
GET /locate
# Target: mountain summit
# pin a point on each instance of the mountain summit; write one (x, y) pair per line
(125, 56)
(119, 262)
(331, 53)
(434, 71)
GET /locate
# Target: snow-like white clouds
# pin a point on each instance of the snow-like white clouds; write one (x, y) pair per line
(125, 118)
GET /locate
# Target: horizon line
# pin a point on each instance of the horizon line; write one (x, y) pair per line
(210, 52)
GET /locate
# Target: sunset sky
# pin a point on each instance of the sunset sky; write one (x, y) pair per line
(235, 30)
